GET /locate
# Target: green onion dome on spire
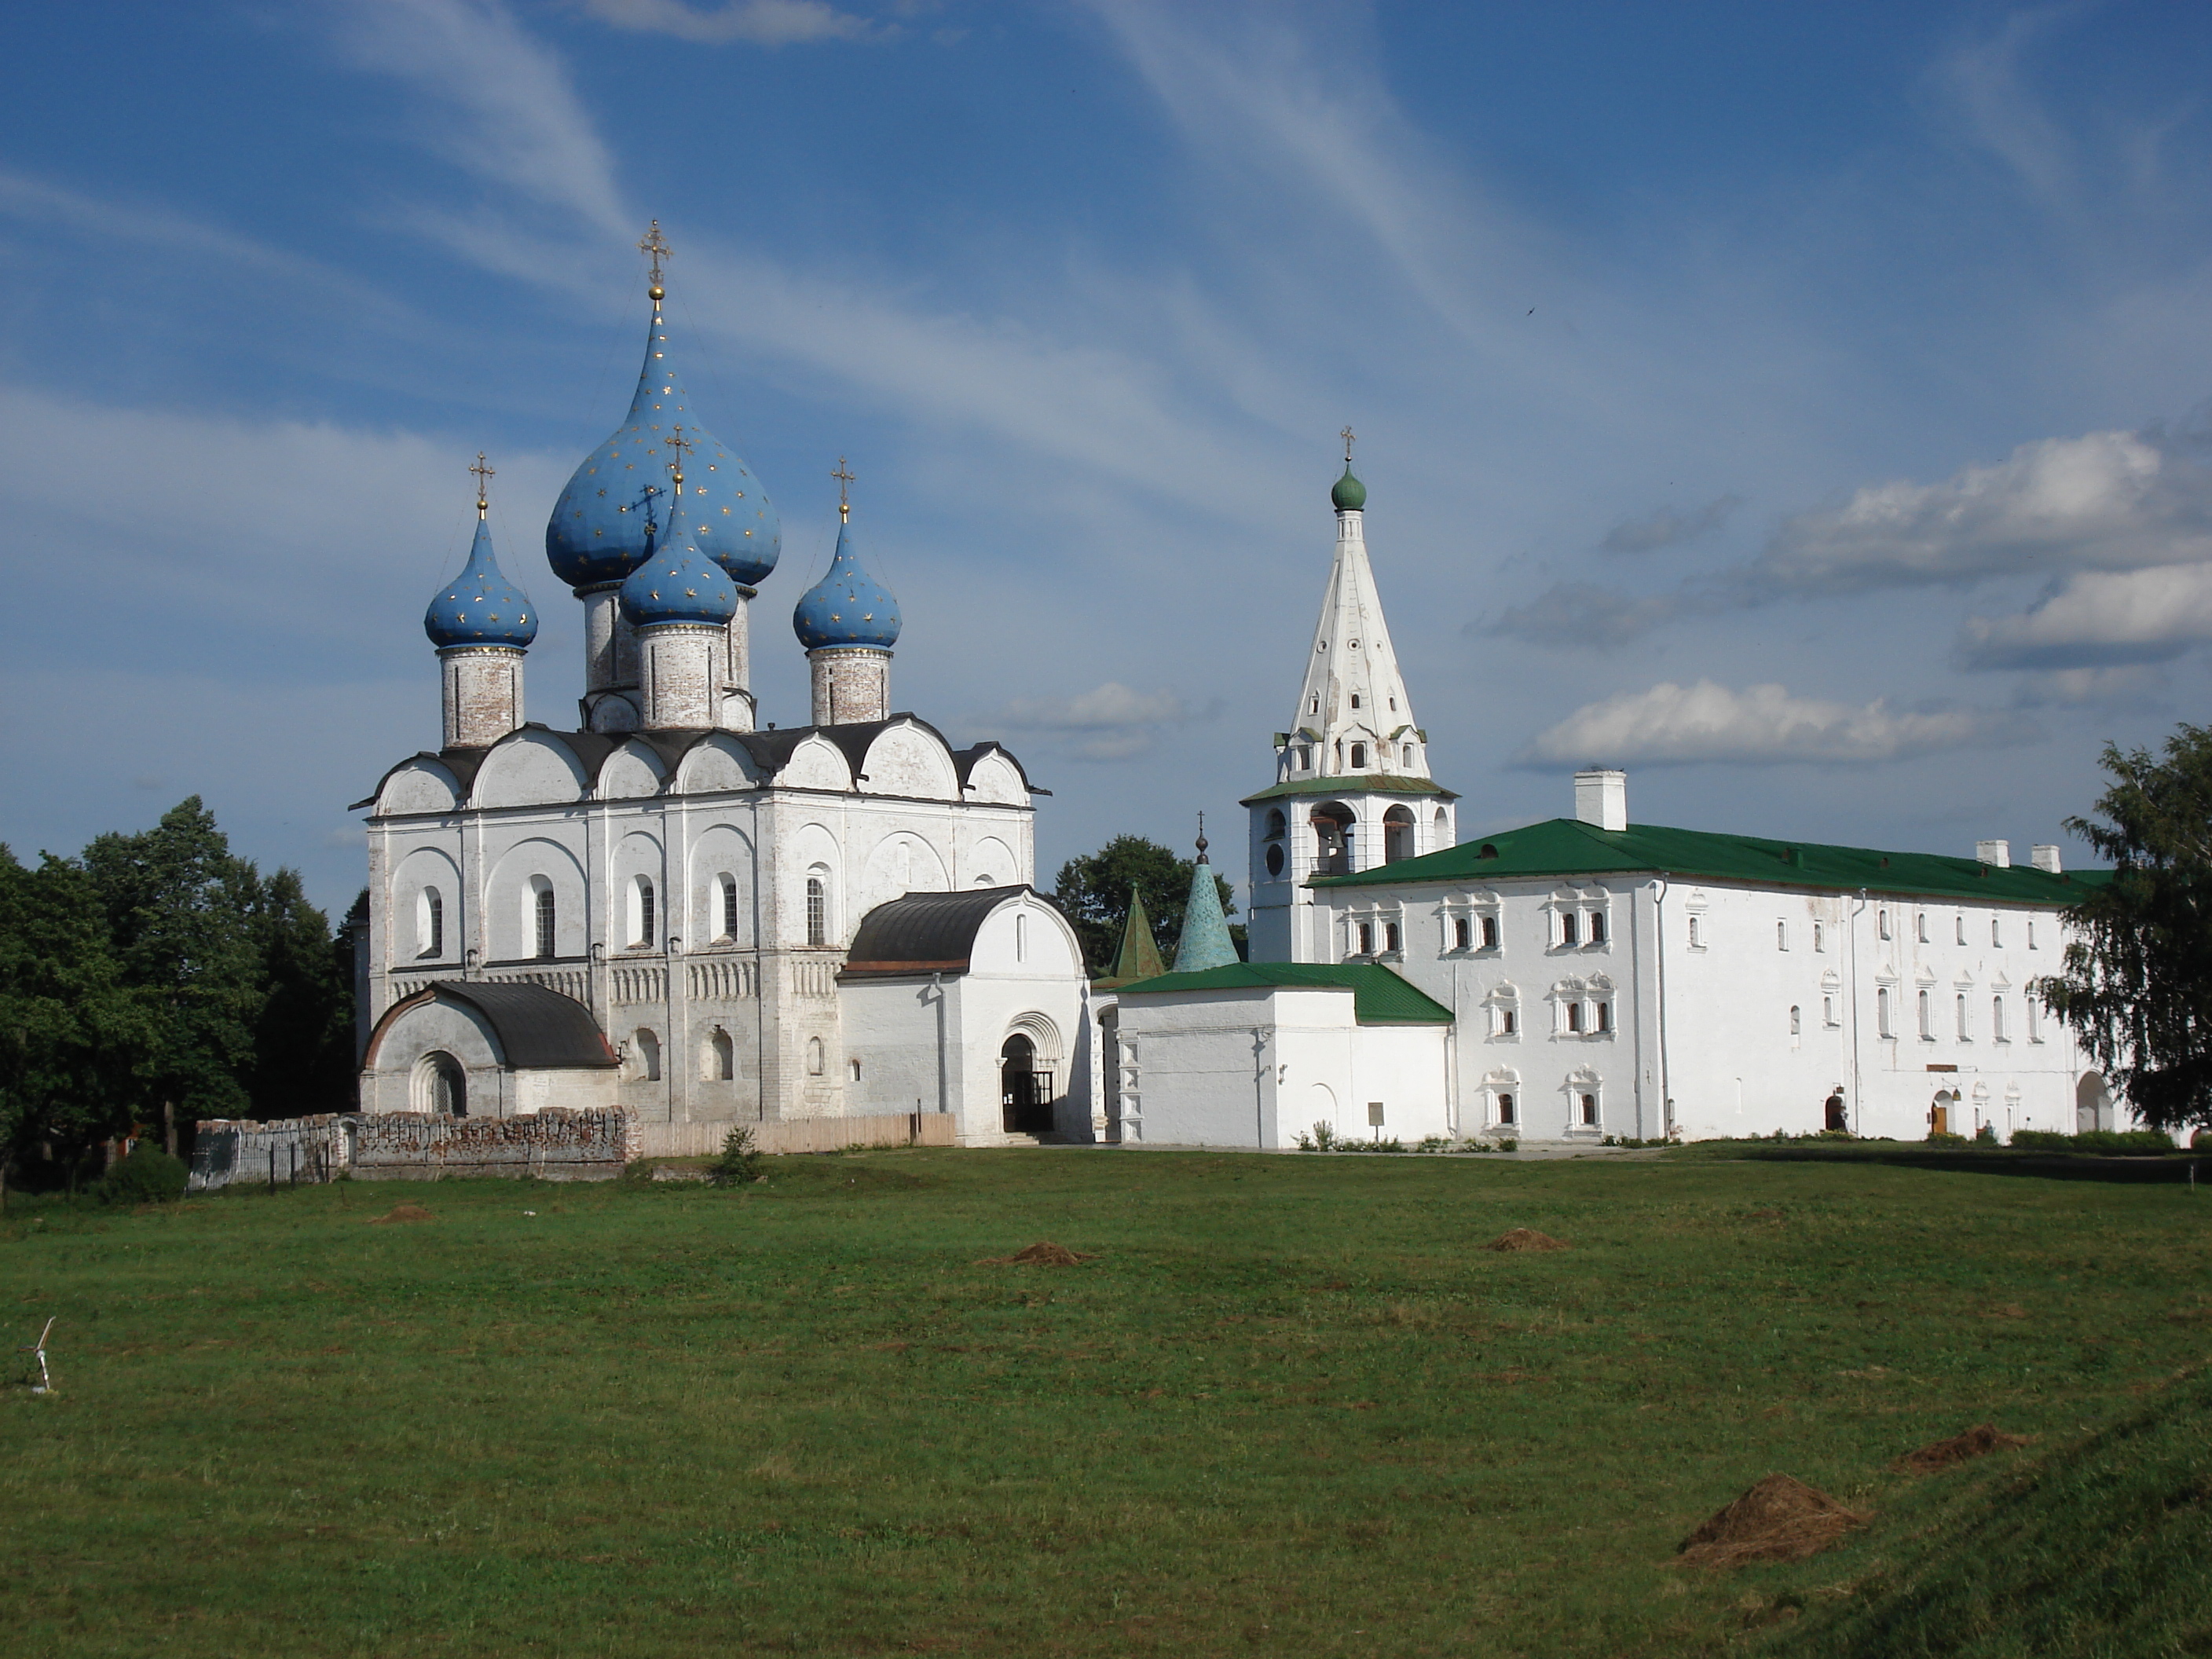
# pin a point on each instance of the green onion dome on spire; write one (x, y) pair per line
(1349, 495)
(611, 516)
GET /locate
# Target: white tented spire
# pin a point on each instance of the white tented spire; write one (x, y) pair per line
(1354, 718)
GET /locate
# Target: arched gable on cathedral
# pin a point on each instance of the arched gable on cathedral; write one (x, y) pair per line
(530, 767)
(816, 763)
(909, 758)
(988, 774)
(716, 764)
(630, 773)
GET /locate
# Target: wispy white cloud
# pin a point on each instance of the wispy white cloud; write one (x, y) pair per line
(1675, 725)
(1108, 722)
(501, 105)
(2114, 499)
(755, 22)
(2097, 619)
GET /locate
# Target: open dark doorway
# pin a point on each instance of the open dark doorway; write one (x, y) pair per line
(1024, 1089)
(1332, 826)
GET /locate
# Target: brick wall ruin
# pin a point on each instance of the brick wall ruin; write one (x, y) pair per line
(550, 1145)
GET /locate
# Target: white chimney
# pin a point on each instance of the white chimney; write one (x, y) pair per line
(2044, 858)
(1998, 855)
(1601, 798)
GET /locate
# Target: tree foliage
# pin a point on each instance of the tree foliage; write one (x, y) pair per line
(157, 979)
(1093, 890)
(2138, 985)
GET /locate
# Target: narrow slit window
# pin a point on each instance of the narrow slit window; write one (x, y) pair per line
(433, 908)
(1574, 1017)
(1569, 926)
(817, 912)
(1490, 933)
(1461, 932)
(1597, 927)
(544, 918)
(729, 884)
(1389, 936)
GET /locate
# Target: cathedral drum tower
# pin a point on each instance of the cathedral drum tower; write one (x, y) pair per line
(1351, 788)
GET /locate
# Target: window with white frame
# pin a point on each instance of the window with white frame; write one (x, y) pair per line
(1797, 1021)
(1502, 1091)
(1390, 941)
(1697, 932)
(1997, 932)
(1997, 1021)
(1596, 929)
(1884, 1015)
(544, 918)
(817, 907)
(1781, 935)
(727, 890)
(1927, 1017)
(2031, 1016)
(1584, 1107)
(1362, 939)
(430, 923)
(1962, 928)
(1489, 920)
(640, 913)
(1463, 933)
(1963, 1037)
(1920, 925)
(1503, 1004)
(1881, 924)
(1819, 938)
(1828, 1011)
(1571, 928)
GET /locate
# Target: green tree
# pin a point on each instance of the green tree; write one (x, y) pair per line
(2138, 985)
(184, 919)
(74, 1039)
(1093, 891)
(303, 1033)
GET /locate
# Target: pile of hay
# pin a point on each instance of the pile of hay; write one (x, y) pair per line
(1977, 1442)
(1778, 1520)
(402, 1213)
(1526, 1238)
(1042, 1254)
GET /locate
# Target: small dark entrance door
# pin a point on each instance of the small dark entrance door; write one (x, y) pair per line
(1837, 1120)
(1024, 1089)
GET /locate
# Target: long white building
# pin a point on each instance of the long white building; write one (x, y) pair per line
(1586, 976)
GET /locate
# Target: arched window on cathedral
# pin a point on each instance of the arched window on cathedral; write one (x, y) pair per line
(1882, 1015)
(649, 1056)
(1358, 756)
(728, 884)
(1312, 704)
(430, 923)
(1390, 936)
(546, 937)
(641, 913)
(1355, 699)
(1463, 931)
(817, 911)
(1927, 1019)
(1305, 759)
(1409, 757)
(1365, 932)
(1796, 1022)
(814, 1057)
(719, 1058)
(853, 1071)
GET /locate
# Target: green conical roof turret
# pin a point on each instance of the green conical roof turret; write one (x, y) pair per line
(1204, 943)
(1138, 957)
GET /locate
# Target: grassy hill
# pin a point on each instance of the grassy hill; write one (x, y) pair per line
(1292, 1405)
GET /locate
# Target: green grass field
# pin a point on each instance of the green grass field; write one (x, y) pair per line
(1291, 1407)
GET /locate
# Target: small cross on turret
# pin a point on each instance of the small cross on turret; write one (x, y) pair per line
(484, 476)
(680, 446)
(844, 475)
(655, 249)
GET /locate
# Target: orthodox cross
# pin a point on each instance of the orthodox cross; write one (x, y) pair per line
(1201, 838)
(654, 248)
(484, 476)
(1346, 435)
(679, 444)
(844, 475)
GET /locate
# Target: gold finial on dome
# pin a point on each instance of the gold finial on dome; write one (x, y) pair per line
(655, 249)
(844, 475)
(680, 444)
(484, 476)
(1346, 435)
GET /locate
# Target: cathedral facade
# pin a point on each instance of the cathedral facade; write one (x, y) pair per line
(689, 915)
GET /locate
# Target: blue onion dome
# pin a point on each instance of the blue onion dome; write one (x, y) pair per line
(678, 583)
(847, 606)
(480, 606)
(1349, 495)
(611, 514)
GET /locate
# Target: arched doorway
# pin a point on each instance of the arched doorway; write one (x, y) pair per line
(2093, 1103)
(1024, 1089)
(1939, 1112)
(1397, 835)
(1838, 1119)
(1332, 827)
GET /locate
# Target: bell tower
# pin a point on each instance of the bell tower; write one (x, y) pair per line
(1351, 788)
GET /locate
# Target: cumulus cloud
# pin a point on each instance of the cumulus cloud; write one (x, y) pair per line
(1581, 614)
(2097, 619)
(2105, 500)
(1666, 527)
(1675, 725)
(1108, 722)
(757, 22)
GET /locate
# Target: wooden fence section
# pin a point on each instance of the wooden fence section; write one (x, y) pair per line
(802, 1134)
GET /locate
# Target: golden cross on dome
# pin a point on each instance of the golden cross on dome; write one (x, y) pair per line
(844, 475)
(1346, 435)
(655, 249)
(484, 476)
(677, 441)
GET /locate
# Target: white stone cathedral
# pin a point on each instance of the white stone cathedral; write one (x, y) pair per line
(669, 909)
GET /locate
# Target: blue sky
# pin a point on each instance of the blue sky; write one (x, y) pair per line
(1804, 407)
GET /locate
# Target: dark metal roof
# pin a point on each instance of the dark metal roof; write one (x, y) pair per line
(537, 1028)
(923, 933)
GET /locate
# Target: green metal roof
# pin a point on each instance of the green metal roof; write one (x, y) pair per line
(1567, 847)
(1379, 997)
(1138, 957)
(1352, 783)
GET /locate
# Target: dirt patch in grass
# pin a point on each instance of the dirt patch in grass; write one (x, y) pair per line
(1780, 1519)
(1042, 1254)
(1977, 1442)
(402, 1213)
(1526, 1238)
